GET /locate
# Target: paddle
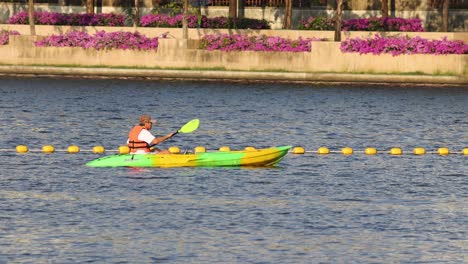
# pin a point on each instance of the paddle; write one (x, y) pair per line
(191, 126)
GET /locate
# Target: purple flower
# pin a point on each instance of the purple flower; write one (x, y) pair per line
(5, 36)
(51, 18)
(162, 20)
(102, 40)
(403, 45)
(225, 42)
(364, 24)
(317, 23)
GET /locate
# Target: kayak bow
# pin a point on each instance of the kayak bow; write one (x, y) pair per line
(258, 157)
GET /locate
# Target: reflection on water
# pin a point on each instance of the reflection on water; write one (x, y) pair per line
(311, 209)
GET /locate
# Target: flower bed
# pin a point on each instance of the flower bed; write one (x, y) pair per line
(150, 20)
(5, 36)
(101, 40)
(384, 24)
(225, 42)
(364, 24)
(51, 18)
(193, 21)
(317, 23)
(403, 45)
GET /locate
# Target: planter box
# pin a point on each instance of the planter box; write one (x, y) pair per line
(195, 33)
(175, 53)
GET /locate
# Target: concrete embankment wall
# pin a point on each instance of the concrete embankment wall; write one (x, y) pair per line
(197, 33)
(178, 54)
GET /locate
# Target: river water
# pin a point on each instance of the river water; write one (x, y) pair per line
(308, 209)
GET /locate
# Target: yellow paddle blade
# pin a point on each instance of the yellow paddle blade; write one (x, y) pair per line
(191, 126)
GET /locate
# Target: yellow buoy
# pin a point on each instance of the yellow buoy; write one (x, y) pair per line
(174, 150)
(22, 149)
(465, 151)
(48, 149)
(419, 151)
(443, 151)
(123, 150)
(73, 149)
(224, 148)
(298, 150)
(323, 150)
(370, 151)
(396, 151)
(347, 151)
(250, 148)
(98, 149)
(200, 149)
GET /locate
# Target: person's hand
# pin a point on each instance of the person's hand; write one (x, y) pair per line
(171, 135)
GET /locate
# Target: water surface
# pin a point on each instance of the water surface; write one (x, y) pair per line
(309, 209)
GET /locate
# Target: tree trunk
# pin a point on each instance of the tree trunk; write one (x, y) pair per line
(339, 19)
(392, 8)
(232, 8)
(184, 21)
(32, 26)
(445, 12)
(136, 19)
(384, 8)
(287, 14)
(89, 6)
(240, 9)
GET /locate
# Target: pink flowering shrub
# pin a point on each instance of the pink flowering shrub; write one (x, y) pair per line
(225, 42)
(383, 24)
(364, 24)
(235, 23)
(51, 18)
(101, 40)
(162, 20)
(403, 45)
(5, 36)
(317, 23)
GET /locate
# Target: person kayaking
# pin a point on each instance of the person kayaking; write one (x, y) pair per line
(140, 139)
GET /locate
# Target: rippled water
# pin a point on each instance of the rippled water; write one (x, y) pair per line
(309, 209)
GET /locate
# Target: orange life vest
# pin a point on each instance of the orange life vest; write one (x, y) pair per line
(134, 143)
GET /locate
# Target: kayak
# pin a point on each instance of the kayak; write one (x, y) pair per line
(255, 157)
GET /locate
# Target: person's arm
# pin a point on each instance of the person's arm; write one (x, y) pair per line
(158, 140)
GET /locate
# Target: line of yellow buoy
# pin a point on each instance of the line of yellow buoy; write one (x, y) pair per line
(51, 149)
(96, 149)
(100, 149)
(200, 149)
(373, 151)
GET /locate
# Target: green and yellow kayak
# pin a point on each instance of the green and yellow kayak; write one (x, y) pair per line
(256, 157)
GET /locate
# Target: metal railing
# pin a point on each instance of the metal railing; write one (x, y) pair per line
(270, 3)
(454, 4)
(462, 4)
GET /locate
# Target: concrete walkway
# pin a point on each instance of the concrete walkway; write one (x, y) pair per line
(299, 77)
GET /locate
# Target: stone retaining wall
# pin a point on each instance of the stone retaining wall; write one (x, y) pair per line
(180, 54)
(195, 33)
